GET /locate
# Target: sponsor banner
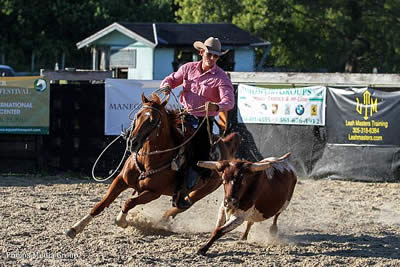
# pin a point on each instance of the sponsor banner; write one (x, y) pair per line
(24, 105)
(363, 116)
(294, 106)
(123, 97)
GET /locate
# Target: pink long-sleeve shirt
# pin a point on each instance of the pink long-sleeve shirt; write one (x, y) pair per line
(198, 88)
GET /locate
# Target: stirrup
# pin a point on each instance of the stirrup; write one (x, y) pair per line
(181, 201)
(184, 202)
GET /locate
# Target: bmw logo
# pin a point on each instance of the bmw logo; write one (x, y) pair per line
(299, 109)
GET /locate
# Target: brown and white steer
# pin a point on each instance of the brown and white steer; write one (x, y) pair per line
(253, 192)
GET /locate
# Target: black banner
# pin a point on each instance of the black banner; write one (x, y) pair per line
(363, 116)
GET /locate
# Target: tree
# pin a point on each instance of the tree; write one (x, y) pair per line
(197, 11)
(47, 29)
(336, 36)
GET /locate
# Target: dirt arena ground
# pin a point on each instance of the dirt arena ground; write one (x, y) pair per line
(328, 223)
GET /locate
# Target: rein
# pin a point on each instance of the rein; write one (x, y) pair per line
(143, 173)
(190, 138)
(128, 140)
(123, 134)
(172, 148)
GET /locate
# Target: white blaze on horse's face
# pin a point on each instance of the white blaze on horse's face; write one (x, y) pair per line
(146, 121)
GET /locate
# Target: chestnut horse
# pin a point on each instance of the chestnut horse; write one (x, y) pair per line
(153, 143)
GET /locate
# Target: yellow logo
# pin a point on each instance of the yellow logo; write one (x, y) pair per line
(274, 108)
(369, 105)
(314, 110)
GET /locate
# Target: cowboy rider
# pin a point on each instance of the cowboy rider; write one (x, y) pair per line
(207, 90)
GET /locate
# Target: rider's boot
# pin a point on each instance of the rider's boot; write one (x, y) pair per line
(193, 174)
(183, 199)
(180, 186)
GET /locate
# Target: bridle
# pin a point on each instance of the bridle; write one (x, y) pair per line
(129, 139)
(154, 125)
(159, 125)
(135, 154)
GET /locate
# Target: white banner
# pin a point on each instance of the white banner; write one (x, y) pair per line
(122, 96)
(296, 106)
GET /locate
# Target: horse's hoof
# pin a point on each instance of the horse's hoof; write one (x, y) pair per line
(122, 224)
(121, 220)
(70, 233)
(273, 230)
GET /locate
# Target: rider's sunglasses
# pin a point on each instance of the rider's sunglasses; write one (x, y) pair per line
(209, 55)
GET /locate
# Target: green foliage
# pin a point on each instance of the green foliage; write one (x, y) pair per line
(197, 11)
(49, 28)
(336, 35)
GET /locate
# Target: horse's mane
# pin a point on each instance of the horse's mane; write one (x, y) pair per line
(173, 119)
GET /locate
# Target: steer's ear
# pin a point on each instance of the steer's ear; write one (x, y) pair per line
(256, 167)
(213, 165)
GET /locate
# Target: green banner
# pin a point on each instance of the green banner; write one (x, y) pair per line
(24, 105)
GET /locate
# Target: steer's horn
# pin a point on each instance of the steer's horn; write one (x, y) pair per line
(285, 156)
(256, 167)
(213, 165)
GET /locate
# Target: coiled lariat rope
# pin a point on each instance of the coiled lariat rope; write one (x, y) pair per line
(101, 154)
(173, 148)
(126, 132)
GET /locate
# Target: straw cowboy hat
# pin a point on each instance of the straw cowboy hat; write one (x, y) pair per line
(211, 45)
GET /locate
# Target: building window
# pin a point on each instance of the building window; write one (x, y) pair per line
(227, 61)
(182, 56)
(122, 57)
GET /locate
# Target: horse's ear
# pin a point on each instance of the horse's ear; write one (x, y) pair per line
(165, 100)
(155, 98)
(144, 99)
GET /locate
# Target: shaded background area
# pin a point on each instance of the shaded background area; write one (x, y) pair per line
(313, 155)
(77, 138)
(76, 135)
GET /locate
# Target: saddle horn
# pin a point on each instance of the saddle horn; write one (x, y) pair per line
(165, 100)
(213, 165)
